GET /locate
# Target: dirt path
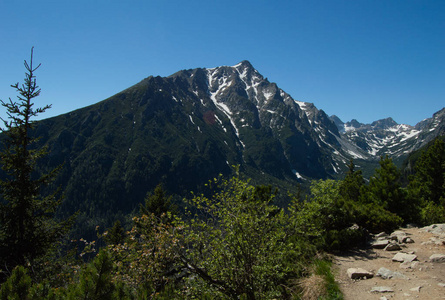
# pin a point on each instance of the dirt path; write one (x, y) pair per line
(423, 279)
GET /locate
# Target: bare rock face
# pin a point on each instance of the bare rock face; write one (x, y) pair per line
(358, 273)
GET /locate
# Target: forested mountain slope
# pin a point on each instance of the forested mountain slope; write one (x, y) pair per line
(187, 128)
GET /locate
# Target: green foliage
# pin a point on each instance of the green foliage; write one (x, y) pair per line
(351, 187)
(146, 263)
(427, 186)
(115, 235)
(158, 204)
(239, 245)
(327, 218)
(385, 190)
(334, 222)
(17, 286)
(374, 218)
(95, 280)
(323, 267)
(28, 229)
(432, 213)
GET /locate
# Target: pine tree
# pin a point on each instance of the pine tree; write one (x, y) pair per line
(351, 188)
(385, 189)
(427, 185)
(27, 225)
(158, 204)
(116, 234)
(430, 172)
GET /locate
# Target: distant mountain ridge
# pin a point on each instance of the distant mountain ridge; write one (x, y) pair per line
(386, 137)
(187, 128)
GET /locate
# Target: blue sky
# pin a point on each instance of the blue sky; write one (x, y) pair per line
(356, 59)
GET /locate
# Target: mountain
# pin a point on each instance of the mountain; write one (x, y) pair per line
(386, 137)
(185, 129)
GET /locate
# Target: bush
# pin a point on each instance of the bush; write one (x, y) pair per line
(432, 213)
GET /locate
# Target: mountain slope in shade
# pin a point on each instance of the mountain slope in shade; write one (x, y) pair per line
(183, 130)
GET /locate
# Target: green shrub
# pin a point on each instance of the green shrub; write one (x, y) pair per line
(17, 286)
(432, 213)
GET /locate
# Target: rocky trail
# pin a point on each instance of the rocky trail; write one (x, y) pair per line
(408, 264)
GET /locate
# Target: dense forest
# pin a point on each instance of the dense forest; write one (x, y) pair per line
(236, 240)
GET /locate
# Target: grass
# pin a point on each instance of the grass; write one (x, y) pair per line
(321, 284)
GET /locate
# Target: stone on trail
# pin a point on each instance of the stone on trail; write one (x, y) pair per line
(359, 273)
(403, 257)
(392, 247)
(380, 244)
(388, 274)
(437, 258)
(381, 234)
(382, 289)
(435, 228)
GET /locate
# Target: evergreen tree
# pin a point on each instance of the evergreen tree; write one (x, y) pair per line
(95, 280)
(427, 187)
(116, 234)
(27, 225)
(430, 173)
(385, 189)
(158, 204)
(351, 187)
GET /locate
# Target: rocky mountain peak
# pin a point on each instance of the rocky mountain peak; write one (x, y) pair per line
(384, 123)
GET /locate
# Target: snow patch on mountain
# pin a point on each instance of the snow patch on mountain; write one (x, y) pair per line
(223, 83)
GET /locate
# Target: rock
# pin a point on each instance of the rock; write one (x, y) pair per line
(358, 273)
(403, 257)
(388, 274)
(402, 239)
(441, 284)
(392, 247)
(398, 232)
(409, 240)
(410, 265)
(437, 258)
(380, 244)
(382, 289)
(435, 229)
(380, 235)
(416, 289)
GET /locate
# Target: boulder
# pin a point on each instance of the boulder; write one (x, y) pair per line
(359, 273)
(397, 232)
(403, 257)
(380, 244)
(409, 240)
(437, 258)
(388, 274)
(435, 228)
(410, 265)
(402, 239)
(392, 247)
(381, 235)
